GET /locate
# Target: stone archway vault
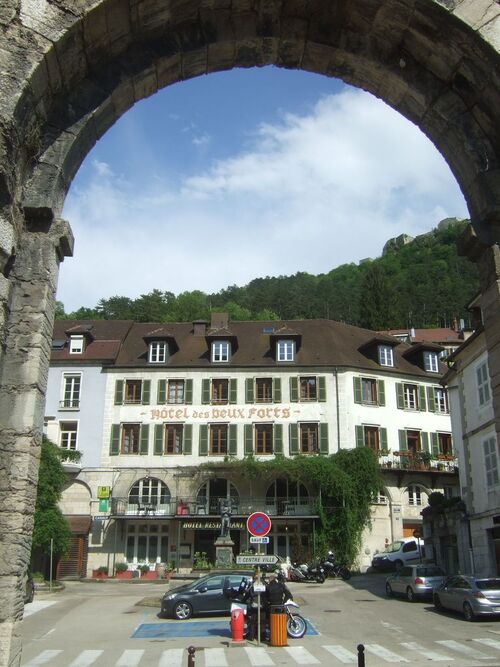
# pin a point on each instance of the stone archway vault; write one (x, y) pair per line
(70, 68)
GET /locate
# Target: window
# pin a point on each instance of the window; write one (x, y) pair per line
(413, 443)
(173, 438)
(133, 391)
(308, 389)
(68, 431)
(448, 491)
(175, 391)
(369, 390)
(441, 400)
(444, 444)
(285, 350)
(76, 344)
(491, 461)
(158, 352)
(431, 363)
(483, 384)
(263, 390)
(263, 438)
(218, 439)
(146, 543)
(410, 393)
(220, 351)
(130, 440)
(385, 355)
(380, 498)
(216, 493)
(220, 391)
(372, 437)
(71, 390)
(414, 495)
(308, 438)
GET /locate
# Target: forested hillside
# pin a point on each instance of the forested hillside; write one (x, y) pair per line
(422, 283)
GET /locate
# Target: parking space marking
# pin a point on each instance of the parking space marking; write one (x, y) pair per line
(130, 658)
(259, 657)
(342, 654)
(301, 655)
(215, 657)
(466, 650)
(427, 653)
(172, 657)
(44, 658)
(384, 653)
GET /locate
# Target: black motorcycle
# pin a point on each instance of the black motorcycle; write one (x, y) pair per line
(332, 568)
(305, 572)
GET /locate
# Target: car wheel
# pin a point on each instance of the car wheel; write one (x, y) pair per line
(388, 590)
(183, 611)
(468, 613)
(437, 602)
(410, 595)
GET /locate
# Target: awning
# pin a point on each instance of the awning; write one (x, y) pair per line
(79, 524)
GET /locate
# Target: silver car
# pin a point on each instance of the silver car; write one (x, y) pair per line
(414, 581)
(471, 596)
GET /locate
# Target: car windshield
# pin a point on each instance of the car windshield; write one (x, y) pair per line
(395, 546)
(488, 584)
(430, 572)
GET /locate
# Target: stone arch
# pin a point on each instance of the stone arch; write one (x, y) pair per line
(77, 495)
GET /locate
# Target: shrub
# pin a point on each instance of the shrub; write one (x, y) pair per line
(144, 568)
(103, 569)
(121, 567)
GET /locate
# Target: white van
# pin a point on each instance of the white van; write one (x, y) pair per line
(401, 552)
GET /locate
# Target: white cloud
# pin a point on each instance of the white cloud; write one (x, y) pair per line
(307, 194)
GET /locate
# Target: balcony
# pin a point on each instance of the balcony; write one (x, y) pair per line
(189, 507)
(406, 460)
(69, 404)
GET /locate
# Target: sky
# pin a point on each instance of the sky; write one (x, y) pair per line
(243, 174)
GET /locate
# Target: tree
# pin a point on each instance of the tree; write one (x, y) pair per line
(49, 522)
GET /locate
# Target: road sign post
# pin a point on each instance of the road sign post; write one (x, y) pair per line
(258, 525)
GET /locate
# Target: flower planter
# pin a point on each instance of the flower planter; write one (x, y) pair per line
(99, 575)
(149, 575)
(124, 575)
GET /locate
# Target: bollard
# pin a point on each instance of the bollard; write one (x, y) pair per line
(361, 655)
(191, 652)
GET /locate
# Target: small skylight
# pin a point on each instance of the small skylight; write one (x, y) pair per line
(268, 330)
(58, 344)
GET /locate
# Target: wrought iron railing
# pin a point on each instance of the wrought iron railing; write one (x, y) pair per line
(415, 461)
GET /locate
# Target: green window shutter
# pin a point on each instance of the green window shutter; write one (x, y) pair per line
(248, 432)
(435, 444)
(382, 432)
(233, 440)
(277, 390)
(381, 392)
(233, 391)
(119, 392)
(293, 439)
(114, 445)
(357, 390)
(205, 391)
(431, 402)
(249, 390)
(360, 436)
(144, 439)
(146, 392)
(400, 399)
(278, 438)
(321, 389)
(422, 403)
(158, 444)
(424, 441)
(187, 439)
(323, 438)
(203, 444)
(188, 392)
(294, 390)
(403, 442)
(162, 391)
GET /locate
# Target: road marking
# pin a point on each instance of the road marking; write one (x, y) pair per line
(37, 605)
(384, 653)
(301, 655)
(43, 658)
(86, 658)
(172, 657)
(390, 626)
(491, 643)
(214, 657)
(130, 658)
(258, 657)
(427, 653)
(341, 653)
(466, 650)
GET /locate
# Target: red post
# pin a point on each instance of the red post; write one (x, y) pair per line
(237, 623)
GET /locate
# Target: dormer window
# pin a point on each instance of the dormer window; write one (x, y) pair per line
(221, 351)
(431, 363)
(285, 350)
(76, 344)
(385, 355)
(158, 352)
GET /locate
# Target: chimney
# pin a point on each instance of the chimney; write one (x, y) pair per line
(412, 333)
(199, 328)
(219, 321)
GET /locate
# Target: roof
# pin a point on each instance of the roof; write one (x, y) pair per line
(437, 335)
(104, 340)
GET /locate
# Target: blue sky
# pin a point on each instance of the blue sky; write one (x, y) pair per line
(242, 174)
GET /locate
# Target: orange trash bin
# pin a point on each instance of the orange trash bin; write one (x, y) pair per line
(277, 626)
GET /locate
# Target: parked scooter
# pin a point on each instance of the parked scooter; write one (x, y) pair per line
(305, 572)
(334, 569)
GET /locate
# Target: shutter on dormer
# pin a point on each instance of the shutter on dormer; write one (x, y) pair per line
(146, 392)
(188, 392)
(294, 390)
(276, 390)
(119, 392)
(162, 391)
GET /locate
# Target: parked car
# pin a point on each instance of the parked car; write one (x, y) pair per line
(471, 596)
(401, 552)
(29, 590)
(414, 581)
(203, 596)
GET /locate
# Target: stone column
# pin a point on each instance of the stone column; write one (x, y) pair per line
(24, 367)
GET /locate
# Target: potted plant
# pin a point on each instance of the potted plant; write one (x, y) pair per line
(101, 572)
(146, 572)
(200, 561)
(122, 571)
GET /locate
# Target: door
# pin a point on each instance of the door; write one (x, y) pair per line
(211, 596)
